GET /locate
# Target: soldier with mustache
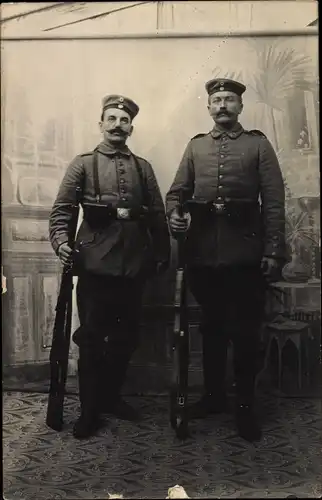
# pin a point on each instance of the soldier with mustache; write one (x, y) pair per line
(122, 241)
(234, 244)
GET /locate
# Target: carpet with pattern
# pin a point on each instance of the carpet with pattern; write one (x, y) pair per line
(143, 460)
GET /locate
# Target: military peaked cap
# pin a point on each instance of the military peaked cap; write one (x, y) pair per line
(120, 102)
(217, 85)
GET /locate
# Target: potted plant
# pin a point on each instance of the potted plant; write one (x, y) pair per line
(299, 238)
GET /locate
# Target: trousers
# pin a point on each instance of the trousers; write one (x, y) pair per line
(232, 301)
(109, 311)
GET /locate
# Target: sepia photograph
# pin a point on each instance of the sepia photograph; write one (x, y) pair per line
(161, 251)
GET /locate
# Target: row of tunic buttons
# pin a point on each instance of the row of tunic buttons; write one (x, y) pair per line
(223, 146)
(275, 245)
(122, 181)
(219, 198)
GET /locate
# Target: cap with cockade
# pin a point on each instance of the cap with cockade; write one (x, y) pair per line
(218, 85)
(120, 102)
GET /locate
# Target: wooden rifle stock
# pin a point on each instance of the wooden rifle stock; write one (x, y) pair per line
(180, 346)
(59, 351)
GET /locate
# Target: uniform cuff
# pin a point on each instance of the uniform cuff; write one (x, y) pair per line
(59, 240)
(274, 251)
(170, 210)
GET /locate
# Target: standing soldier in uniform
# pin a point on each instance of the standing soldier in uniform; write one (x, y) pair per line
(122, 240)
(234, 244)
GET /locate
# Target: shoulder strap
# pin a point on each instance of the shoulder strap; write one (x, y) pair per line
(255, 132)
(89, 153)
(198, 135)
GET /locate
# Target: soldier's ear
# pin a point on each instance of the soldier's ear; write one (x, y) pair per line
(208, 104)
(130, 131)
(241, 106)
(100, 125)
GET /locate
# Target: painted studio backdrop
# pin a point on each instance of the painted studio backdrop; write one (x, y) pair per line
(52, 92)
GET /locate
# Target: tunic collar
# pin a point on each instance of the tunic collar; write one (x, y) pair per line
(235, 132)
(107, 149)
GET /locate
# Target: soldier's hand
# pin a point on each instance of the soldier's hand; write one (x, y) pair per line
(269, 266)
(161, 267)
(65, 254)
(179, 224)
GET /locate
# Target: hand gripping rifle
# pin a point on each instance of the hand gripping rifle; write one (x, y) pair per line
(180, 346)
(61, 335)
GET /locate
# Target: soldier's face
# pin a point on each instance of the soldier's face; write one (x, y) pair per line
(116, 126)
(224, 107)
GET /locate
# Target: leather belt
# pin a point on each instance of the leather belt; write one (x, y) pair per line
(95, 210)
(228, 207)
(125, 213)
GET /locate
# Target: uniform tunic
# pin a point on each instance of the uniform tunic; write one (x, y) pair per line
(110, 263)
(224, 251)
(123, 246)
(236, 165)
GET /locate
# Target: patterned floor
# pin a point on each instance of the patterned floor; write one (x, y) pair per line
(143, 460)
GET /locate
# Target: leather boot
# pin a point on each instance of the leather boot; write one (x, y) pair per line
(88, 422)
(246, 421)
(208, 404)
(247, 424)
(122, 410)
(113, 373)
(214, 400)
(246, 365)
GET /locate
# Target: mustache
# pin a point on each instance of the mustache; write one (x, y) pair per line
(118, 131)
(223, 112)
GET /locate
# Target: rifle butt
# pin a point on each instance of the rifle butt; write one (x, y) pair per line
(54, 417)
(179, 390)
(58, 373)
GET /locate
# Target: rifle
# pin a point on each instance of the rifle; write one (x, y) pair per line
(180, 346)
(59, 351)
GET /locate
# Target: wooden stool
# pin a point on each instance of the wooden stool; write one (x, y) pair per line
(281, 330)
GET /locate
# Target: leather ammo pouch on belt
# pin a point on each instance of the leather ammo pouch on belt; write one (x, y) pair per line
(237, 211)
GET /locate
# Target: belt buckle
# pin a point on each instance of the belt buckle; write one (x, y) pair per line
(123, 213)
(181, 400)
(220, 207)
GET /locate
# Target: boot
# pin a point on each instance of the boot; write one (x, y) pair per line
(246, 420)
(121, 409)
(214, 351)
(88, 422)
(247, 425)
(113, 373)
(85, 427)
(245, 365)
(209, 404)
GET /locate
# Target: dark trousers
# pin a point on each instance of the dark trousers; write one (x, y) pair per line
(109, 313)
(232, 300)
